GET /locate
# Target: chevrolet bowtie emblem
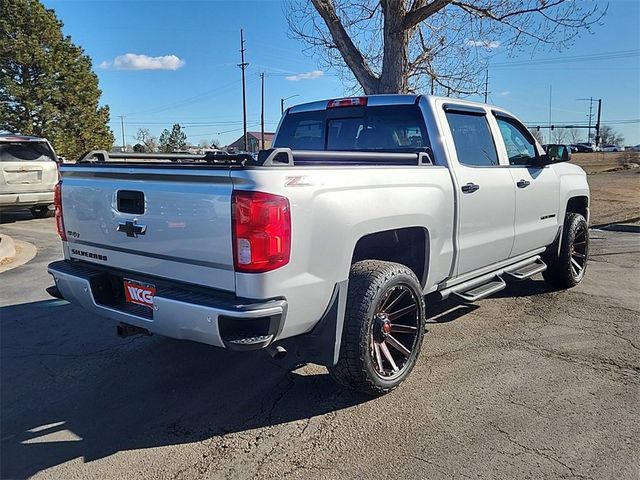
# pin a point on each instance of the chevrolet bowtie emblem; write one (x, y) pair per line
(131, 229)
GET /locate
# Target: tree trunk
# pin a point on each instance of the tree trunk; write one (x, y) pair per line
(393, 78)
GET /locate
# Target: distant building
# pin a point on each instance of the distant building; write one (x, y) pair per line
(253, 142)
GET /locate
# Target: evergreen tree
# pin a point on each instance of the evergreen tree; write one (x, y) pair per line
(47, 86)
(174, 140)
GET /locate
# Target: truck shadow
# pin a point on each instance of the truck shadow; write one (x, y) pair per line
(71, 389)
(14, 216)
(451, 309)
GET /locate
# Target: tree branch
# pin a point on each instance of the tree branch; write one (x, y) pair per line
(420, 12)
(350, 53)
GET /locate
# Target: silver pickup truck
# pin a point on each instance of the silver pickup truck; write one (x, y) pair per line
(328, 246)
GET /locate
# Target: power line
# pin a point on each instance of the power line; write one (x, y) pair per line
(171, 122)
(620, 54)
(186, 101)
(604, 122)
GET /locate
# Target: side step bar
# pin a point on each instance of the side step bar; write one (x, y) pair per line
(527, 271)
(481, 291)
(490, 283)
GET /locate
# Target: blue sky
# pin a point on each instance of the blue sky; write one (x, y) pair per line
(201, 88)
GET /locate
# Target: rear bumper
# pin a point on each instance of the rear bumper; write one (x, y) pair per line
(26, 199)
(178, 312)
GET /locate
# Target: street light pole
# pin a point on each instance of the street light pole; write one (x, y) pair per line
(282, 102)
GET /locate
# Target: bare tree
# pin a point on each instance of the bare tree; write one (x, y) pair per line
(397, 46)
(558, 135)
(144, 137)
(574, 135)
(608, 136)
(537, 134)
(203, 144)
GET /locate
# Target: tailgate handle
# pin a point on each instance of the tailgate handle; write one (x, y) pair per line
(130, 201)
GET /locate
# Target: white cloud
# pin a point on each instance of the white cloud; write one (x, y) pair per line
(491, 44)
(305, 76)
(133, 61)
(505, 93)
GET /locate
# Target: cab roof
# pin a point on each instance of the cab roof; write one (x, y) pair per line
(383, 99)
(14, 137)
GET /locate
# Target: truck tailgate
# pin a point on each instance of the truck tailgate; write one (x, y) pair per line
(172, 223)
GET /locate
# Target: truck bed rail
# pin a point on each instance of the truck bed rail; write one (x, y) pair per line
(102, 156)
(288, 157)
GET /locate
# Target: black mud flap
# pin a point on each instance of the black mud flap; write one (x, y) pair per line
(322, 344)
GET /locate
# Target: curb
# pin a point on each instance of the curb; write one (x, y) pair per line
(24, 252)
(621, 227)
(7, 247)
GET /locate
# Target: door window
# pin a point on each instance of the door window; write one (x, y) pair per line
(521, 149)
(473, 139)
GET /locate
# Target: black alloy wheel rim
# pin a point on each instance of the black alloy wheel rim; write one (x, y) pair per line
(578, 252)
(394, 331)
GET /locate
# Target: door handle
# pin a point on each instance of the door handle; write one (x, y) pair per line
(470, 187)
(523, 183)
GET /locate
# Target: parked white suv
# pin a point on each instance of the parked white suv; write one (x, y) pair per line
(28, 174)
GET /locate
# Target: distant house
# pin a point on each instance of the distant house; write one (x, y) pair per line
(253, 142)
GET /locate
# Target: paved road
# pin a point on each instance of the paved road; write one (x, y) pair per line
(529, 384)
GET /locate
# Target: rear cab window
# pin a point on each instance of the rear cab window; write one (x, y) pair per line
(387, 128)
(26, 152)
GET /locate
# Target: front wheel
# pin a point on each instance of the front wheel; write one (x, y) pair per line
(383, 327)
(566, 269)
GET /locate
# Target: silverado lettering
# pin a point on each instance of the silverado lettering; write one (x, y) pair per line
(84, 253)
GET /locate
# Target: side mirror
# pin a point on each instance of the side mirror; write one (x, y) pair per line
(558, 153)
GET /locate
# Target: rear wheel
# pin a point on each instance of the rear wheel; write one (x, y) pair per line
(383, 327)
(566, 269)
(41, 211)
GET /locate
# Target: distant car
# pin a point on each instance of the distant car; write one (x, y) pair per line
(573, 149)
(635, 148)
(610, 148)
(579, 148)
(28, 174)
(585, 147)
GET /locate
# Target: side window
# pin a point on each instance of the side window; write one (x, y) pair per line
(473, 140)
(520, 149)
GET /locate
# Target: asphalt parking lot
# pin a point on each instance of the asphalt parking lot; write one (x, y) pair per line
(531, 383)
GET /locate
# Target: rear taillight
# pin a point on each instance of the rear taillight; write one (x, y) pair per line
(57, 203)
(347, 102)
(261, 231)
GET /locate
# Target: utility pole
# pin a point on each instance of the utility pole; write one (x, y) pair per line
(262, 110)
(590, 117)
(597, 139)
(486, 86)
(597, 127)
(550, 90)
(124, 144)
(243, 65)
(432, 87)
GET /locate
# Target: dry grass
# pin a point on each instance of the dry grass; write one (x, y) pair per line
(615, 185)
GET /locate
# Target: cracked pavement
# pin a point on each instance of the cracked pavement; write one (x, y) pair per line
(530, 383)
